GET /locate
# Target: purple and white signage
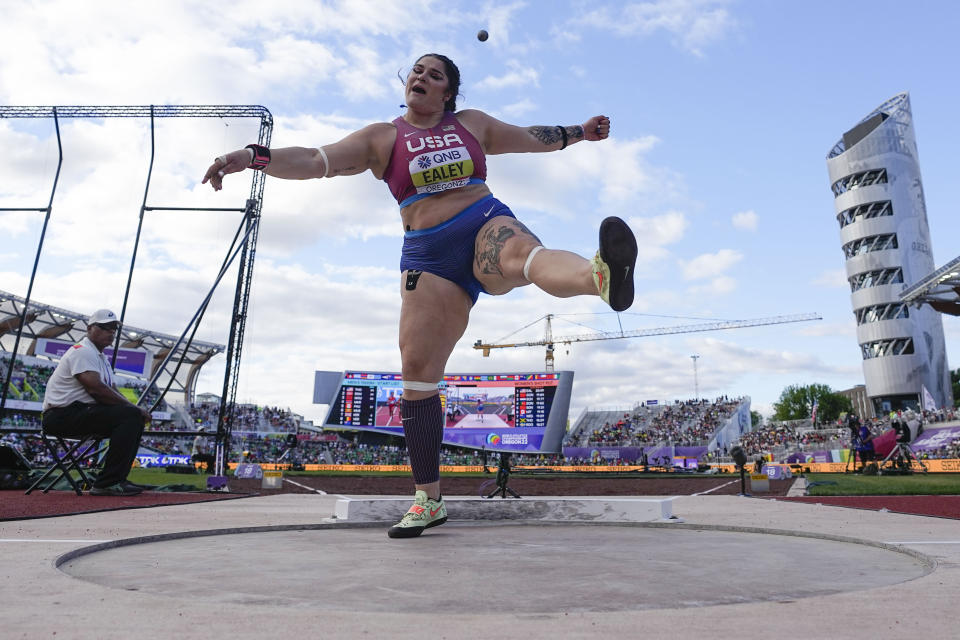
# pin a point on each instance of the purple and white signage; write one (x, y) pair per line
(162, 460)
(131, 361)
(933, 439)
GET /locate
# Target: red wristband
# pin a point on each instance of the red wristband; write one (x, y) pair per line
(261, 156)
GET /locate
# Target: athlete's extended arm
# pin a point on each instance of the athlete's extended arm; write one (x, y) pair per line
(354, 154)
(500, 137)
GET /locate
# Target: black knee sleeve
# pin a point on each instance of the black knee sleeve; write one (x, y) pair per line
(423, 431)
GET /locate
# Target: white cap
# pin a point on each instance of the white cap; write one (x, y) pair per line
(103, 316)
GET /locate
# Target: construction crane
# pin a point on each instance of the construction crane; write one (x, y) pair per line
(549, 340)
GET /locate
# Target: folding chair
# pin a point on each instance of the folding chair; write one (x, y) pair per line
(69, 454)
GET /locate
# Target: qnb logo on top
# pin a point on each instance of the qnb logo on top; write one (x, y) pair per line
(440, 170)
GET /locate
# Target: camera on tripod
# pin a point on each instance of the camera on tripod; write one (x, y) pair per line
(503, 478)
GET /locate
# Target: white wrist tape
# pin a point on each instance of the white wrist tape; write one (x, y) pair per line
(526, 265)
(252, 156)
(326, 163)
(420, 386)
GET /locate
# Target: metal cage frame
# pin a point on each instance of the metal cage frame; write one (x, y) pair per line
(243, 246)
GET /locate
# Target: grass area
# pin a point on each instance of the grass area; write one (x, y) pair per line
(159, 477)
(918, 484)
(518, 473)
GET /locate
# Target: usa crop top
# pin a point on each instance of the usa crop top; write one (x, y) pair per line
(425, 162)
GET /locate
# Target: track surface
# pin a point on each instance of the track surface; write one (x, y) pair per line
(940, 506)
(15, 505)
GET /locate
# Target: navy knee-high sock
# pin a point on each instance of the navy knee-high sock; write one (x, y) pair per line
(423, 431)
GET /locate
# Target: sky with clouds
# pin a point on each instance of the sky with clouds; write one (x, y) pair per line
(722, 112)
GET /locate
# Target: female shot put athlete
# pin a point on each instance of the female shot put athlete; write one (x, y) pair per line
(459, 239)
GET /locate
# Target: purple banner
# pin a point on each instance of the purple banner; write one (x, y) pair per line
(629, 454)
(525, 439)
(128, 360)
(777, 472)
(686, 455)
(933, 439)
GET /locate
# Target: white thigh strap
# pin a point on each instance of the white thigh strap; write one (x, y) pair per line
(420, 386)
(526, 265)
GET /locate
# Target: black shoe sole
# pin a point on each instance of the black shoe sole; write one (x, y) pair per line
(618, 248)
(412, 532)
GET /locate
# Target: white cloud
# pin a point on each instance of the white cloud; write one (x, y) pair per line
(660, 230)
(518, 109)
(822, 329)
(597, 179)
(719, 286)
(746, 220)
(500, 20)
(325, 292)
(832, 279)
(710, 265)
(653, 233)
(517, 75)
(692, 24)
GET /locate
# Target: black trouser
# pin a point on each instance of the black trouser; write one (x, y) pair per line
(121, 423)
(206, 459)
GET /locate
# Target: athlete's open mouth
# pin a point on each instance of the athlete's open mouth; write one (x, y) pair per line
(419, 90)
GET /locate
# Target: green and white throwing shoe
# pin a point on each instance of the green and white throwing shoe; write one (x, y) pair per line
(424, 513)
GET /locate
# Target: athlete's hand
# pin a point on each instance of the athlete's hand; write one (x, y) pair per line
(233, 162)
(596, 128)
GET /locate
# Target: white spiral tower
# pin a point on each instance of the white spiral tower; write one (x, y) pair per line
(878, 197)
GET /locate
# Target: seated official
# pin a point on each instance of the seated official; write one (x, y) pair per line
(200, 453)
(82, 400)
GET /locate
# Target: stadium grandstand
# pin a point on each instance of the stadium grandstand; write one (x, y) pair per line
(682, 435)
(143, 354)
(147, 363)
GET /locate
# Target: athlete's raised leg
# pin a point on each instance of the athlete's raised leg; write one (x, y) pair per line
(508, 255)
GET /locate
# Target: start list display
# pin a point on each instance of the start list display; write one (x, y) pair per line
(357, 406)
(533, 405)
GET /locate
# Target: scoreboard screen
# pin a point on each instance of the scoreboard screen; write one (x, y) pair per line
(524, 412)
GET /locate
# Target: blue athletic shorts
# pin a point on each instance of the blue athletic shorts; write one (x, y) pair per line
(447, 250)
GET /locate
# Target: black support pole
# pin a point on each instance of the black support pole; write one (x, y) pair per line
(33, 274)
(136, 245)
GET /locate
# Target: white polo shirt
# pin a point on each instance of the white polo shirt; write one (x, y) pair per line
(63, 388)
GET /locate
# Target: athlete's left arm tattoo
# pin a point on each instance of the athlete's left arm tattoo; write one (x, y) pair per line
(546, 135)
(574, 132)
(551, 135)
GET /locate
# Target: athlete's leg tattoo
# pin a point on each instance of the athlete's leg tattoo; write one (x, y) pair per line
(492, 242)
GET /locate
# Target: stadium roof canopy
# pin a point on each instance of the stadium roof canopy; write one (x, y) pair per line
(45, 321)
(940, 289)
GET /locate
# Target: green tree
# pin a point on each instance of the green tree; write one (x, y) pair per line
(796, 403)
(955, 383)
(755, 419)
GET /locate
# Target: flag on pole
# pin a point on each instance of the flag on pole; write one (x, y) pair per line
(813, 418)
(928, 402)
